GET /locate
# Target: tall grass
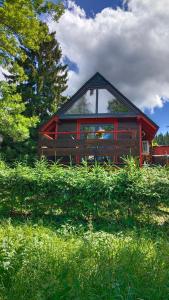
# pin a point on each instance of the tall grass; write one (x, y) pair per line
(38, 263)
(80, 263)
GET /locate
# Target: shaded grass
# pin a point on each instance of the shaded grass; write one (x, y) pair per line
(39, 262)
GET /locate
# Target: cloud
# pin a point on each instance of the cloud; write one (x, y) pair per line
(1, 74)
(130, 48)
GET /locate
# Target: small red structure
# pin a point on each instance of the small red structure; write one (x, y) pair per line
(160, 155)
(97, 123)
(160, 150)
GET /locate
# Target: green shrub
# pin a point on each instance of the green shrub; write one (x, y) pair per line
(81, 191)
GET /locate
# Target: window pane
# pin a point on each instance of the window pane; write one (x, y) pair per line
(107, 103)
(88, 131)
(85, 105)
(97, 131)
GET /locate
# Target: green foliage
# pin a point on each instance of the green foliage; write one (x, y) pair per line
(25, 151)
(12, 122)
(20, 24)
(78, 262)
(21, 29)
(41, 263)
(46, 79)
(162, 139)
(82, 191)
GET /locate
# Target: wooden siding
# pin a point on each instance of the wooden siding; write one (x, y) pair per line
(126, 143)
(160, 160)
(160, 155)
(161, 150)
(66, 126)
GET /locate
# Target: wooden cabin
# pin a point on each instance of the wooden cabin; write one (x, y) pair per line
(98, 123)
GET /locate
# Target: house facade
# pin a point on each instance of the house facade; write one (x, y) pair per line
(98, 123)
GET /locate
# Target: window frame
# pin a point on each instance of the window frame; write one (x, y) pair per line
(97, 113)
(79, 99)
(145, 147)
(113, 121)
(96, 124)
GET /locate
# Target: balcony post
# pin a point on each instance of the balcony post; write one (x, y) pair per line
(140, 142)
(78, 138)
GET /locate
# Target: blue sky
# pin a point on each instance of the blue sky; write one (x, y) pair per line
(161, 117)
(95, 6)
(140, 72)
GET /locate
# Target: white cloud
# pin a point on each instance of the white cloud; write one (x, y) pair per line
(1, 74)
(130, 48)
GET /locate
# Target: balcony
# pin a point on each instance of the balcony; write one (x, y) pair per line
(89, 145)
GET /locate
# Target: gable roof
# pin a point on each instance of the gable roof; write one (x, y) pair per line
(98, 81)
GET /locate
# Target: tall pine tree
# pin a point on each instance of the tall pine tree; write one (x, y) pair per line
(162, 138)
(46, 79)
(41, 92)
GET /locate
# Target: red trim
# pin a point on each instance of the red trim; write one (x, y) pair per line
(49, 137)
(148, 128)
(96, 120)
(115, 137)
(140, 140)
(78, 138)
(56, 133)
(79, 132)
(148, 122)
(160, 150)
(46, 125)
(151, 130)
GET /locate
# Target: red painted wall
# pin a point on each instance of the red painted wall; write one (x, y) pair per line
(161, 150)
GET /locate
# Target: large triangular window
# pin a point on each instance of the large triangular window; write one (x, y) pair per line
(108, 104)
(97, 101)
(86, 104)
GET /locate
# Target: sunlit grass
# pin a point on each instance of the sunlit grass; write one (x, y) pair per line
(37, 262)
(84, 233)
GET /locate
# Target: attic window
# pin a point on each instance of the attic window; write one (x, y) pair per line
(97, 101)
(85, 104)
(107, 103)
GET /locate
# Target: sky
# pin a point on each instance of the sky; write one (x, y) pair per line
(126, 42)
(92, 7)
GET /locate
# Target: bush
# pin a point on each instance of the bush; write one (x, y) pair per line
(81, 191)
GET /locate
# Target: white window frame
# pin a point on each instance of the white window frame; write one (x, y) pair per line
(145, 147)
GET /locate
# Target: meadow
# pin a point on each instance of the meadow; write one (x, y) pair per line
(84, 232)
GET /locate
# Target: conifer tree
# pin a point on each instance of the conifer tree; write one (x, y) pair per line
(162, 138)
(46, 79)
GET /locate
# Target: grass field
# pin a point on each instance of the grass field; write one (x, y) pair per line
(84, 233)
(42, 259)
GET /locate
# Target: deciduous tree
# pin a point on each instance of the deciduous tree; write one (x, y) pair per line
(20, 24)
(12, 122)
(20, 28)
